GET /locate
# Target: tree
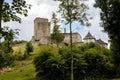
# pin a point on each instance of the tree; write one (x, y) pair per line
(110, 10)
(29, 47)
(10, 11)
(8, 35)
(57, 37)
(91, 63)
(73, 10)
(48, 65)
(6, 59)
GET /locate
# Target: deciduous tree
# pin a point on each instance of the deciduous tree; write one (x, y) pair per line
(110, 17)
(56, 36)
(73, 10)
(9, 11)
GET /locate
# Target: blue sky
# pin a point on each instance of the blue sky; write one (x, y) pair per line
(44, 9)
(8, 1)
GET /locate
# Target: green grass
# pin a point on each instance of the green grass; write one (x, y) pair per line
(117, 79)
(24, 71)
(21, 69)
(27, 73)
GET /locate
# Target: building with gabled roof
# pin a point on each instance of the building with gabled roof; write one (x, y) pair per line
(101, 42)
(42, 34)
(89, 38)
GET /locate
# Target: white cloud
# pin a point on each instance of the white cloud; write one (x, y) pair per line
(44, 9)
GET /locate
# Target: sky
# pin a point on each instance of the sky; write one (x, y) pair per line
(44, 9)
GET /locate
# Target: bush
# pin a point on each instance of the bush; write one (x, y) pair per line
(25, 56)
(29, 47)
(98, 63)
(48, 65)
(6, 47)
(90, 60)
(6, 59)
(1, 59)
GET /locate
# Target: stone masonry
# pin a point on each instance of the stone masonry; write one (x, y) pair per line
(42, 33)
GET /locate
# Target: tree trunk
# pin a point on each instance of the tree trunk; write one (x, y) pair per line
(72, 72)
(1, 4)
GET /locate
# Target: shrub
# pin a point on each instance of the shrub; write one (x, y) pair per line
(6, 47)
(98, 60)
(6, 59)
(25, 56)
(29, 47)
(90, 61)
(1, 59)
(48, 65)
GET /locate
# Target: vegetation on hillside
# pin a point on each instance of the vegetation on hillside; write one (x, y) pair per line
(73, 10)
(86, 62)
(90, 61)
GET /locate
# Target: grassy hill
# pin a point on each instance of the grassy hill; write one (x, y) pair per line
(26, 73)
(24, 69)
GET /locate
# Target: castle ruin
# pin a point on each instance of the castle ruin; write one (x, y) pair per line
(41, 31)
(42, 34)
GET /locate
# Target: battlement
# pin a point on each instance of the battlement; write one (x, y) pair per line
(38, 19)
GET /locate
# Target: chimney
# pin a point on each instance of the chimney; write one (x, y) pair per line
(64, 30)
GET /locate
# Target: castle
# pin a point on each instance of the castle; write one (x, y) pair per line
(42, 34)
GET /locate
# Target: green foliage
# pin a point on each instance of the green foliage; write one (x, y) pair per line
(96, 62)
(73, 10)
(48, 65)
(8, 35)
(90, 60)
(29, 47)
(26, 55)
(56, 36)
(6, 59)
(10, 11)
(111, 24)
(15, 42)
(19, 56)
(1, 59)
(6, 47)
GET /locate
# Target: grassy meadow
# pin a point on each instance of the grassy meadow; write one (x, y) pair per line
(26, 73)
(24, 69)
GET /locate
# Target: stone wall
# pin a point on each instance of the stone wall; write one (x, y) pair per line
(76, 37)
(42, 34)
(41, 31)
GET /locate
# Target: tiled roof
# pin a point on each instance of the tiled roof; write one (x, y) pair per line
(100, 41)
(72, 33)
(89, 36)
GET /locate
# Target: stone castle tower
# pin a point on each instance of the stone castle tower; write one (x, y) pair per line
(42, 34)
(41, 31)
